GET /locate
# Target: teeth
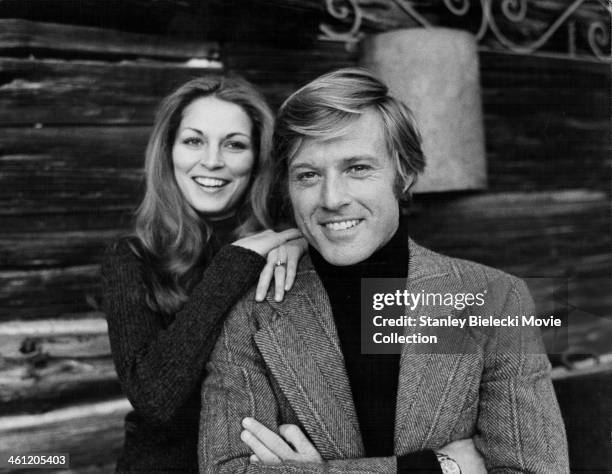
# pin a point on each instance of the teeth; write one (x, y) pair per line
(343, 225)
(211, 182)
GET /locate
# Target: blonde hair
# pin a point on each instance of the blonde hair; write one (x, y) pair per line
(323, 109)
(169, 236)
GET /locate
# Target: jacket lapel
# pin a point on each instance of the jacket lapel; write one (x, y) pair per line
(302, 350)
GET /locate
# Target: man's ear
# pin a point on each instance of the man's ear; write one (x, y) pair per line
(403, 187)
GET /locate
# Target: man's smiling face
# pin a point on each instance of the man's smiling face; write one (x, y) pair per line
(342, 192)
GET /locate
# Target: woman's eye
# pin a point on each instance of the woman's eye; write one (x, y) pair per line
(236, 146)
(192, 141)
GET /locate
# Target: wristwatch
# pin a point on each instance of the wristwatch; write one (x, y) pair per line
(448, 464)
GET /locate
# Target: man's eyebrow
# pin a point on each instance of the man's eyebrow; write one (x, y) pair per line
(355, 158)
(349, 160)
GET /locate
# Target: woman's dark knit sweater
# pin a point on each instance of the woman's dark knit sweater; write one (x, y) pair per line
(161, 360)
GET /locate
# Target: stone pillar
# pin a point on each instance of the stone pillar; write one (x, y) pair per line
(435, 72)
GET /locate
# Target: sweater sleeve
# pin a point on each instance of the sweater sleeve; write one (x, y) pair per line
(160, 367)
(419, 462)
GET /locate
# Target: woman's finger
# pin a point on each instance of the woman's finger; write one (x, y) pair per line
(276, 239)
(289, 234)
(269, 439)
(265, 277)
(294, 254)
(259, 449)
(280, 271)
(279, 282)
(263, 242)
(298, 439)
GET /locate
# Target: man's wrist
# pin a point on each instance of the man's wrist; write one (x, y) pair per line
(448, 464)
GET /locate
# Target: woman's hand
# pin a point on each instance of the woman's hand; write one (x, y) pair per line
(282, 264)
(466, 455)
(270, 448)
(263, 242)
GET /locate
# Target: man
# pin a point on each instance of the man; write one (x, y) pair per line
(345, 154)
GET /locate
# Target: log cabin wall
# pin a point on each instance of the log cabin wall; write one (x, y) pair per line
(78, 89)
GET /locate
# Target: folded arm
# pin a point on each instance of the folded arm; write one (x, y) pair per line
(160, 365)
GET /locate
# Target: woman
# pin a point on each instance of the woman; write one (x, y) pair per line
(168, 286)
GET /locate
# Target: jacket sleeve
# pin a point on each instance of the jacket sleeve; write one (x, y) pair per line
(238, 385)
(519, 427)
(160, 366)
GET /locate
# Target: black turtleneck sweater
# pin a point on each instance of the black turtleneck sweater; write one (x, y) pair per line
(373, 377)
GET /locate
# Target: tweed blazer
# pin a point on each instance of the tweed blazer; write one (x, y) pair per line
(282, 363)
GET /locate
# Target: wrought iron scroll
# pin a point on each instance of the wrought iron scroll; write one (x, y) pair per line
(598, 32)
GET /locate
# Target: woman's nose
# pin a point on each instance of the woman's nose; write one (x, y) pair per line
(211, 157)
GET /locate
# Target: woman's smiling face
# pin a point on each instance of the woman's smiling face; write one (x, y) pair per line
(213, 156)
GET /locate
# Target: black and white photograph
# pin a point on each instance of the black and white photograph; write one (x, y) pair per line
(306, 236)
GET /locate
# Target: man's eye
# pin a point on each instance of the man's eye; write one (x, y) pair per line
(359, 169)
(192, 141)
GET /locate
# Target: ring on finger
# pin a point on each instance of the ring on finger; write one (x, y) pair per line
(280, 263)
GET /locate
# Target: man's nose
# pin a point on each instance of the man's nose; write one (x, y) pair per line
(334, 194)
(211, 157)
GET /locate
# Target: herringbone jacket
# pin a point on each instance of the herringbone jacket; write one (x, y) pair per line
(282, 363)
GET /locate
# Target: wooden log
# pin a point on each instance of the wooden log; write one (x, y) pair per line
(91, 433)
(36, 190)
(501, 230)
(25, 388)
(547, 122)
(55, 249)
(48, 92)
(562, 234)
(508, 204)
(79, 92)
(48, 293)
(103, 220)
(19, 36)
(46, 364)
(78, 147)
(288, 24)
(280, 71)
(302, 63)
(508, 70)
(82, 337)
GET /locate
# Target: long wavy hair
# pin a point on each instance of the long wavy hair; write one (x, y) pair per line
(169, 236)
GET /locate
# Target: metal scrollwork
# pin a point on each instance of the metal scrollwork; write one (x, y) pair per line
(349, 8)
(514, 10)
(599, 35)
(598, 32)
(458, 7)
